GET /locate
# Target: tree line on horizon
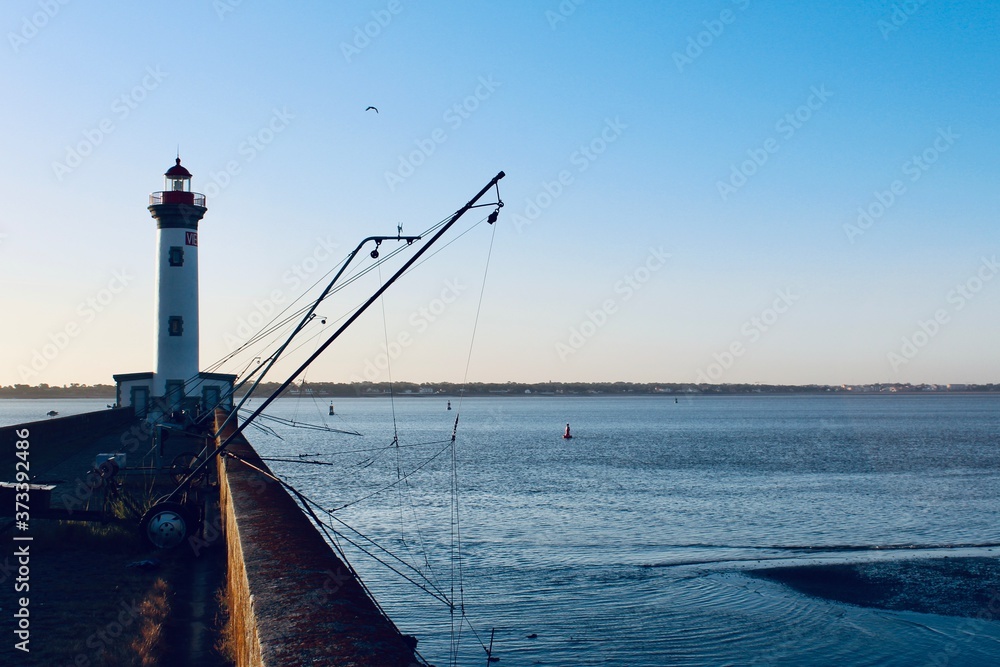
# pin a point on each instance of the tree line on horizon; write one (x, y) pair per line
(355, 389)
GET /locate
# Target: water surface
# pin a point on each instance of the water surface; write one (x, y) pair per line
(629, 544)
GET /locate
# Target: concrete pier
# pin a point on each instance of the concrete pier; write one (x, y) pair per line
(292, 601)
(63, 449)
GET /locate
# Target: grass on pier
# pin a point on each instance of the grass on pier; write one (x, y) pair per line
(89, 603)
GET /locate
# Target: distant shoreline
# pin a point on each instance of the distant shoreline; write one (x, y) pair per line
(334, 390)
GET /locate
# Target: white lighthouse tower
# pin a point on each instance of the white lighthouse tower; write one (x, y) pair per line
(177, 211)
(176, 386)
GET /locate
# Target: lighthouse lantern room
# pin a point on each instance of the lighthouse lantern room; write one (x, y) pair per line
(176, 386)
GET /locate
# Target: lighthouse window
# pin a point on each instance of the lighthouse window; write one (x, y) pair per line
(176, 255)
(175, 325)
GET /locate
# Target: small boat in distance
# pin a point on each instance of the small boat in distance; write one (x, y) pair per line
(51, 413)
(567, 435)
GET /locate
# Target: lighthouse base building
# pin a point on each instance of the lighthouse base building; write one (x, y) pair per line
(176, 391)
(184, 401)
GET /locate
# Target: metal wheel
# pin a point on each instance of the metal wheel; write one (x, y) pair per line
(166, 525)
(182, 466)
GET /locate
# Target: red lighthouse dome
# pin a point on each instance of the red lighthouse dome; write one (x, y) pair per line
(177, 171)
(177, 188)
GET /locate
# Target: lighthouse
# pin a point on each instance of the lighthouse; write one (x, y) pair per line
(176, 386)
(177, 212)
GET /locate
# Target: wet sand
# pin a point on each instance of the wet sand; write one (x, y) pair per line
(949, 586)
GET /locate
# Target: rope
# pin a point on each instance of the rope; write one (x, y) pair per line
(351, 279)
(332, 540)
(389, 486)
(456, 549)
(276, 325)
(369, 451)
(273, 325)
(388, 364)
(308, 503)
(294, 424)
(435, 593)
(315, 463)
(431, 588)
(392, 404)
(475, 324)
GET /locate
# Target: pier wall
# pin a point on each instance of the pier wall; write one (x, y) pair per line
(292, 601)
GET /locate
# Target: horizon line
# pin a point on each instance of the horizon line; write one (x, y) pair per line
(557, 382)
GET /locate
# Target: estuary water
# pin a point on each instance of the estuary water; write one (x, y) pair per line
(631, 544)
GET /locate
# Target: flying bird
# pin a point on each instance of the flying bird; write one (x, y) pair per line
(372, 109)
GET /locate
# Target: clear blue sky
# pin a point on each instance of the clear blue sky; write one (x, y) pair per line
(715, 158)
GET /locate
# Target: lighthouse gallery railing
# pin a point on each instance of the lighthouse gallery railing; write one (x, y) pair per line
(176, 197)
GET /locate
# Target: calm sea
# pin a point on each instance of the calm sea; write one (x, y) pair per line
(630, 544)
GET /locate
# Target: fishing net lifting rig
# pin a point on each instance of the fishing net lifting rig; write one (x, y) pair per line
(169, 521)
